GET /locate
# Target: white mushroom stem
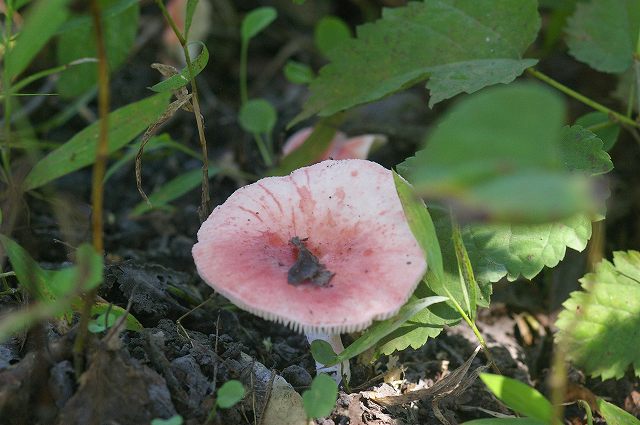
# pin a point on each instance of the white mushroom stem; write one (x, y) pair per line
(337, 372)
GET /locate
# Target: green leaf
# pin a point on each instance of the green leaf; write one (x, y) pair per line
(101, 308)
(520, 397)
(298, 73)
(316, 144)
(188, 17)
(124, 124)
(88, 271)
(582, 150)
(229, 394)
(323, 353)
(496, 155)
(467, 280)
(604, 33)
(182, 79)
(257, 20)
(600, 124)
(425, 324)
(601, 324)
(505, 421)
(320, 399)
(330, 32)
(29, 273)
(172, 190)
(102, 323)
(41, 23)
(257, 116)
(174, 420)
(420, 223)
(120, 20)
(447, 41)
(379, 330)
(615, 415)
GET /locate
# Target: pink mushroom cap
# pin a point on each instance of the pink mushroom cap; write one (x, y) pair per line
(351, 214)
(341, 146)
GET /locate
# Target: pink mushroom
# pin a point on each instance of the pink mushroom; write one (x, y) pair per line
(341, 147)
(326, 250)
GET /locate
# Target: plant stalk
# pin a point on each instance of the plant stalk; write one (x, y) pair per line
(97, 186)
(205, 198)
(6, 89)
(616, 116)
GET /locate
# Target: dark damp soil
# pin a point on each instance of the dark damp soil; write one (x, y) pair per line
(186, 352)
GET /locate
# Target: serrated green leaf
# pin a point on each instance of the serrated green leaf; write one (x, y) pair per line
(381, 329)
(425, 324)
(172, 190)
(615, 415)
(583, 151)
(120, 20)
(257, 20)
(124, 124)
(320, 399)
(520, 397)
(182, 79)
(497, 155)
(444, 40)
(604, 33)
(329, 33)
(601, 325)
(257, 116)
(230, 393)
(600, 124)
(41, 23)
(298, 73)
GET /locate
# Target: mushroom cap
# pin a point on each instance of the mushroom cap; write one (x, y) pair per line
(351, 214)
(341, 146)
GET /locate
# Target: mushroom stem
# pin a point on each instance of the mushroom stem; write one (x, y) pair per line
(337, 372)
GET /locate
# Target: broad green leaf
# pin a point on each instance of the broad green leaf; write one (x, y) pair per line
(131, 323)
(583, 151)
(257, 20)
(41, 23)
(229, 394)
(29, 273)
(257, 116)
(329, 33)
(615, 415)
(298, 73)
(520, 397)
(174, 420)
(188, 17)
(120, 20)
(320, 399)
(601, 324)
(425, 324)
(172, 190)
(380, 329)
(124, 124)
(505, 421)
(604, 33)
(600, 124)
(447, 41)
(496, 155)
(323, 353)
(182, 79)
(312, 148)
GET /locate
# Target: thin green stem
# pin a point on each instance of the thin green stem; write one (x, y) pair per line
(616, 116)
(475, 331)
(244, 52)
(264, 152)
(6, 88)
(205, 197)
(97, 187)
